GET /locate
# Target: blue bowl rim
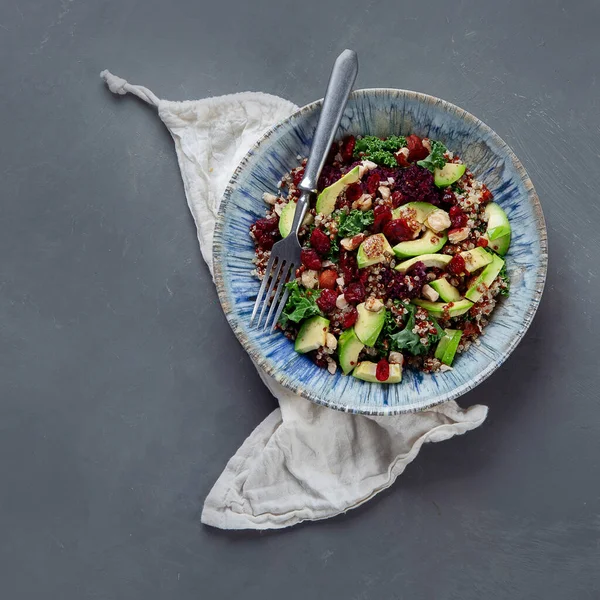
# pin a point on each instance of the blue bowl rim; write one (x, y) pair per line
(272, 369)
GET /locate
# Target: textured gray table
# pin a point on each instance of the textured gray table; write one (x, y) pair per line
(118, 408)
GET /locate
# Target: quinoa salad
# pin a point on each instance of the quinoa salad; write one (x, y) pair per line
(402, 258)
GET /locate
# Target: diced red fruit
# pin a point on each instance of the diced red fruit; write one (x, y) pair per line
(448, 196)
(320, 241)
(402, 159)
(350, 317)
(486, 195)
(327, 279)
(372, 183)
(297, 176)
(266, 232)
(382, 372)
(310, 259)
(416, 150)
(353, 192)
(349, 266)
(398, 199)
(482, 242)
(326, 300)
(364, 276)
(397, 231)
(355, 293)
(457, 265)
(347, 148)
(382, 214)
(458, 217)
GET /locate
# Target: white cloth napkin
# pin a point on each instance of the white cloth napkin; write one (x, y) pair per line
(303, 462)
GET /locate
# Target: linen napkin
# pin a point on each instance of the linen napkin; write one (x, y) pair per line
(304, 461)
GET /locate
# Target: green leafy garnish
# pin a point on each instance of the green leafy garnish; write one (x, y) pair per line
(436, 159)
(407, 340)
(379, 151)
(355, 222)
(503, 275)
(300, 305)
(334, 251)
(455, 187)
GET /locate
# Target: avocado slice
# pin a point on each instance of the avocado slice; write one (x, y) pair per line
(287, 218)
(484, 279)
(498, 225)
(312, 335)
(422, 210)
(447, 346)
(476, 259)
(369, 324)
(367, 370)
(447, 292)
(443, 309)
(429, 260)
(500, 245)
(449, 174)
(373, 251)
(327, 198)
(349, 347)
(429, 243)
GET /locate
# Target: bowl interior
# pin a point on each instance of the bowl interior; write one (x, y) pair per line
(382, 112)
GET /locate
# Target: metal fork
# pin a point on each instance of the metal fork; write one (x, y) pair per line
(285, 255)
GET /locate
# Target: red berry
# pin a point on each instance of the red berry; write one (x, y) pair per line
(372, 183)
(448, 197)
(397, 231)
(349, 266)
(416, 150)
(458, 217)
(398, 199)
(266, 232)
(326, 300)
(482, 242)
(355, 293)
(383, 214)
(347, 148)
(297, 176)
(457, 265)
(310, 259)
(383, 370)
(327, 279)
(350, 318)
(353, 192)
(320, 241)
(486, 195)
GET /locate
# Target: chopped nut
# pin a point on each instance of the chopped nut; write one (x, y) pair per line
(445, 368)
(426, 144)
(308, 219)
(352, 243)
(310, 279)
(385, 192)
(331, 342)
(365, 167)
(373, 304)
(278, 209)
(438, 220)
(341, 302)
(363, 203)
(429, 293)
(331, 366)
(396, 358)
(340, 281)
(458, 235)
(269, 198)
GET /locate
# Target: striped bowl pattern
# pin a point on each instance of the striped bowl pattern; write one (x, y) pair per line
(382, 112)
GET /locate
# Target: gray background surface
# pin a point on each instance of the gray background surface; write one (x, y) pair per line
(123, 392)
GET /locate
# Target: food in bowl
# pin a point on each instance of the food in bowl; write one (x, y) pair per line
(402, 260)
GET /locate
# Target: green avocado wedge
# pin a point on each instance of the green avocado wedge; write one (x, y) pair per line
(447, 292)
(447, 346)
(484, 280)
(429, 243)
(421, 210)
(369, 324)
(450, 173)
(287, 218)
(444, 309)
(497, 222)
(438, 261)
(500, 245)
(327, 198)
(373, 250)
(367, 371)
(349, 347)
(312, 335)
(476, 259)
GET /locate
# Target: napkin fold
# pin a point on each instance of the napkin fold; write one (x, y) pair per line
(304, 461)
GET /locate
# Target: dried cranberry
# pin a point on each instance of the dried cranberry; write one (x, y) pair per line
(382, 214)
(329, 175)
(355, 293)
(326, 300)
(320, 241)
(382, 372)
(349, 266)
(319, 359)
(310, 259)
(457, 265)
(327, 279)
(482, 242)
(350, 317)
(347, 148)
(297, 176)
(397, 231)
(448, 196)
(486, 195)
(458, 217)
(416, 150)
(417, 185)
(372, 183)
(398, 199)
(353, 192)
(266, 232)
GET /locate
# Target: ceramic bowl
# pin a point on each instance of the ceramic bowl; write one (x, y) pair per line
(382, 112)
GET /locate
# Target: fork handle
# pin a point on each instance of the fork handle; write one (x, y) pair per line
(339, 87)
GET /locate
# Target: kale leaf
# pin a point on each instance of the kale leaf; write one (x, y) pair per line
(407, 340)
(300, 305)
(355, 222)
(505, 291)
(379, 151)
(436, 159)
